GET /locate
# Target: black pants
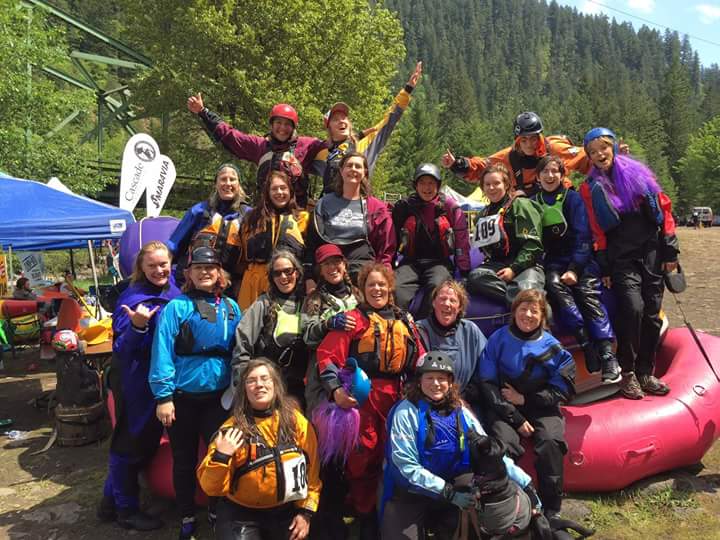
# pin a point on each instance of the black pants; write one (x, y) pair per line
(550, 447)
(579, 306)
(235, 522)
(483, 280)
(195, 416)
(638, 287)
(409, 278)
(408, 517)
(328, 522)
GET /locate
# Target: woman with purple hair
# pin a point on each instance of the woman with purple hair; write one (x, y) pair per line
(634, 233)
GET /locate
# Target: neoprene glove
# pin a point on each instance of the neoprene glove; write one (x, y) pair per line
(533, 496)
(462, 499)
(337, 322)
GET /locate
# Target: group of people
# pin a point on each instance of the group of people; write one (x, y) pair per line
(293, 352)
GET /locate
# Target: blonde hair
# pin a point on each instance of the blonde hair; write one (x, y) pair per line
(459, 291)
(138, 276)
(240, 196)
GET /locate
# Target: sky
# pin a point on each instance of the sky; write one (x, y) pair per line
(699, 19)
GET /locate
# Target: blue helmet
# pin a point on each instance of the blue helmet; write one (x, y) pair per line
(596, 133)
(360, 388)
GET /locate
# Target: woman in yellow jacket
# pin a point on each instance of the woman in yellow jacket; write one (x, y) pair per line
(264, 462)
(275, 223)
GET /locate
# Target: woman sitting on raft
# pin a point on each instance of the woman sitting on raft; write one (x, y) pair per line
(263, 463)
(461, 339)
(508, 233)
(525, 375)
(572, 274)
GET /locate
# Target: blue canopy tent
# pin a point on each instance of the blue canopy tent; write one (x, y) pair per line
(36, 217)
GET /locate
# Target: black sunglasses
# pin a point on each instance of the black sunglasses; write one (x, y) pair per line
(287, 272)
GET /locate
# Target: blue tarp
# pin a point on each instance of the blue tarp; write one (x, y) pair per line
(36, 217)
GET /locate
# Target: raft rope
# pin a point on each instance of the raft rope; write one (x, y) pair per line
(695, 336)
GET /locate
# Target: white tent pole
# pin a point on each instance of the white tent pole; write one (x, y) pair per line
(10, 267)
(95, 279)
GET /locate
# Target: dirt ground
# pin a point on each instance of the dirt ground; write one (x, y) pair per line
(53, 495)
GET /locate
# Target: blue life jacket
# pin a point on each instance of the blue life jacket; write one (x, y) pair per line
(442, 447)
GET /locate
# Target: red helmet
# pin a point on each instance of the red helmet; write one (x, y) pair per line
(283, 110)
(65, 341)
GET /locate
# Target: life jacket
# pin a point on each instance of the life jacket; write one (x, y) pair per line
(386, 347)
(283, 231)
(282, 468)
(278, 160)
(490, 231)
(553, 218)
(442, 447)
(444, 232)
(607, 215)
(529, 381)
(520, 162)
(283, 328)
(186, 341)
(222, 235)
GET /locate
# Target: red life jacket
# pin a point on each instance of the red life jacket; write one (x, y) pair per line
(443, 230)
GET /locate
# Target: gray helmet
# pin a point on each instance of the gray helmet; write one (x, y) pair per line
(434, 361)
(427, 169)
(203, 255)
(527, 123)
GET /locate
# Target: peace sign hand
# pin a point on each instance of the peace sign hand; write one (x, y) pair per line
(141, 316)
(229, 441)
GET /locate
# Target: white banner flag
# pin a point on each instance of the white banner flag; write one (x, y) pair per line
(159, 185)
(138, 165)
(33, 267)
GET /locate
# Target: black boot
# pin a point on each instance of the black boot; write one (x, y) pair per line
(106, 509)
(138, 521)
(369, 528)
(610, 366)
(592, 359)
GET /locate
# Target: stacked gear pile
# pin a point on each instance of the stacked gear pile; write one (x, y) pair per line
(80, 415)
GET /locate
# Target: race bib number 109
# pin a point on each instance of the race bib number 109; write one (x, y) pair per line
(487, 231)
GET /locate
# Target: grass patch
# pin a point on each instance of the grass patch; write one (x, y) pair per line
(663, 513)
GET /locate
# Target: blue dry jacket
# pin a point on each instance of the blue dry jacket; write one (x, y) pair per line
(415, 467)
(208, 368)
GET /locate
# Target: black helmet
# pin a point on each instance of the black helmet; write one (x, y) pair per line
(434, 361)
(427, 169)
(527, 123)
(203, 255)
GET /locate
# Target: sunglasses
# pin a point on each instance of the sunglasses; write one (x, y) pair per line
(287, 272)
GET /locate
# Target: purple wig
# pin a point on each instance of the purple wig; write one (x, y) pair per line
(338, 429)
(629, 182)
